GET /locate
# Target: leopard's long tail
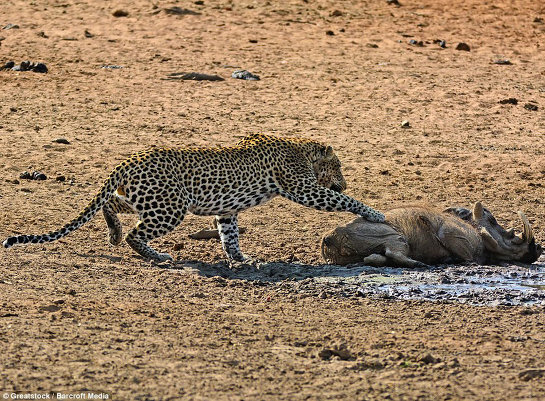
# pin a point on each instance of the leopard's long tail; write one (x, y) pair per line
(114, 180)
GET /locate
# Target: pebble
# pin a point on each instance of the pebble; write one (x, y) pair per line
(531, 107)
(25, 66)
(112, 66)
(511, 100)
(330, 33)
(502, 62)
(11, 26)
(35, 175)
(393, 3)
(60, 178)
(180, 11)
(50, 308)
(418, 43)
(530, 374)
(88, 34)
(336, 13)
(244, 74)
(62, 140)
(193, 76)
(120, 13)
(9, 65)
(372, 45)
(405, 124)
(429, 358)
(463, 47)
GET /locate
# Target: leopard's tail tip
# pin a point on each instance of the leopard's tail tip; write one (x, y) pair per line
(8, 243)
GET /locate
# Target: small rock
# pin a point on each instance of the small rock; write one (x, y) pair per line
(336, 13)
(463, 47)
(35, 175)
(67, 315)
(42, 34)
(531, 107)
(429, 358)
(418, 43)
(39, 67)
(50, 308)
(13, 109)
(62, 140)
(502, 62)
(60, 178)
(180, 11)
(199, 3)
(59, 301)
(405, 124)
(179, 246)
(393, 3)
(510, 100)
(244, 74)
(442, 43)
(530, 374)
(88, 34)
(9, 65)
(193, 76)
(323, 295)
(120, 13)
(454, 363)
(330, 33)
(112, 66)
(11, 26)
(71, 292)
(252, 40)
(372, 45)
(325, 354)
(538, 20)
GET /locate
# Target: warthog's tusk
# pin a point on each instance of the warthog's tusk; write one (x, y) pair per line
(528, 233)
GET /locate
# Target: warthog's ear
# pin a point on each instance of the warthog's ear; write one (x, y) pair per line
(463, 213)
(478, 211)
(492, 245)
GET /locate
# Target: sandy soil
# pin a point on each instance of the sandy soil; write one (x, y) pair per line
(79, 314)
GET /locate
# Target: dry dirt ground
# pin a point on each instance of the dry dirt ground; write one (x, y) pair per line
(79, 314)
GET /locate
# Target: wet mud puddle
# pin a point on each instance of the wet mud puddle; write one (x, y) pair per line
(470, 284)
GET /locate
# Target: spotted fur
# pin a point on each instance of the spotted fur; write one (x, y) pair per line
(161, 185)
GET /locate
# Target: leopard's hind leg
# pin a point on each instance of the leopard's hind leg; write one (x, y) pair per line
(155, 223)
(110, 211)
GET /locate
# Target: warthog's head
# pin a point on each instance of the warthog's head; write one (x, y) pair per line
(327, 169)
(501, 244)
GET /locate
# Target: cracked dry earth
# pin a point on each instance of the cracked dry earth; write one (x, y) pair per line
(79, 314)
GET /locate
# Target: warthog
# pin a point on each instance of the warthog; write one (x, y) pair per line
(416, 236)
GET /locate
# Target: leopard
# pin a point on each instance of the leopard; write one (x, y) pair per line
(161, 185)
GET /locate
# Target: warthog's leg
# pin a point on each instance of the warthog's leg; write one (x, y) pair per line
(402, 260)
(375, 260)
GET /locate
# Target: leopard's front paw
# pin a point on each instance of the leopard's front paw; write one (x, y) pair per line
(243, 261)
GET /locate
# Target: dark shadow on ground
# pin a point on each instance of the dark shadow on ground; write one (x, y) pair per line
(473, 284)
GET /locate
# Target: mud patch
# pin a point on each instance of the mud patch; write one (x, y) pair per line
(506, 285)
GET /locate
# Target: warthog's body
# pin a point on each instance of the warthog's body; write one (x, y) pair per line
(417, 235)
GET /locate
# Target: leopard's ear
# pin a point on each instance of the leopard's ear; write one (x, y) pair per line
(328, 153)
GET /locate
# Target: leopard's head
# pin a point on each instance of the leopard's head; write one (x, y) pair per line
(327, 169)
